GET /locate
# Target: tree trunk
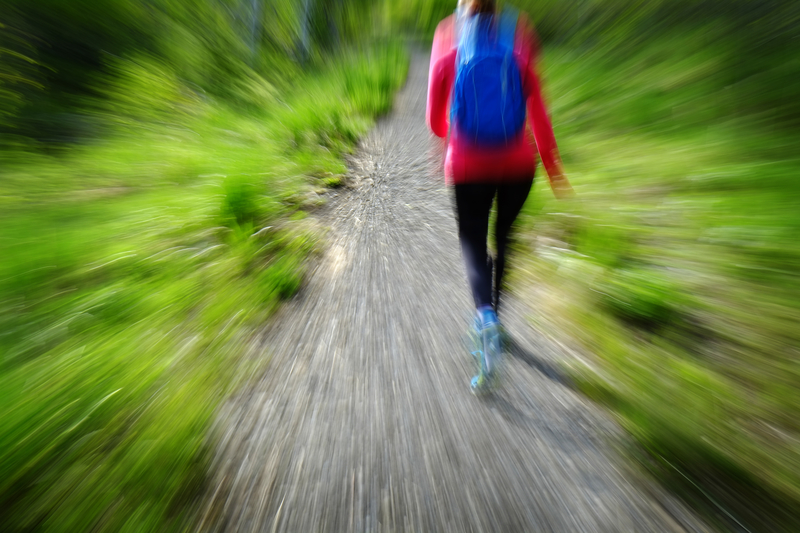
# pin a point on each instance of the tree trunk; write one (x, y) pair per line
(305, 31)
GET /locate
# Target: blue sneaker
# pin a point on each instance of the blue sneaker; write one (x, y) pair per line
(490, 354)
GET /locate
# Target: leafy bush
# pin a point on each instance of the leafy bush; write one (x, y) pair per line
(642, 296)
(240, 199)
(370, 88)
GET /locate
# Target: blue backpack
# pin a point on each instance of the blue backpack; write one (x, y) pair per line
(488, 106)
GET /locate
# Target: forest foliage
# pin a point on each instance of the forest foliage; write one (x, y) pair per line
(676, 270)
(157, 163)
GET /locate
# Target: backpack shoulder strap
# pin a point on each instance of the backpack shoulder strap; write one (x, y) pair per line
(507, 27)
(467, 40)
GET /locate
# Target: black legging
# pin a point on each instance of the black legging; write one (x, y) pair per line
(473, 203)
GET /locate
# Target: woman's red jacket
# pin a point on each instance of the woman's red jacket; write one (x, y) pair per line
(465, 163)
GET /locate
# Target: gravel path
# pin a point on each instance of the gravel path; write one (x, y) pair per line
(364, 420)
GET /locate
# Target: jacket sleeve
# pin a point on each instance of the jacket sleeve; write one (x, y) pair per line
(440, 78)
(542, 128)
(538, 119)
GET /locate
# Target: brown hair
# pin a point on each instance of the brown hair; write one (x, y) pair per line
(481, 6)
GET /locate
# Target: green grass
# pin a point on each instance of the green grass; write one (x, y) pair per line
(135, 273)
(677, 263)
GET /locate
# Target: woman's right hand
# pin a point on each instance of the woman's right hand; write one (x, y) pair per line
(561, 187)
(559, 182)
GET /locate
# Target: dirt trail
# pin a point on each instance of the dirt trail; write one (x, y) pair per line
(364, 420)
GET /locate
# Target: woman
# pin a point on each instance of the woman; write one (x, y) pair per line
(480, 172)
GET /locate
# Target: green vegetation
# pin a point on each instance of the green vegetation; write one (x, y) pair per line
(150, 221)
(677, 264)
